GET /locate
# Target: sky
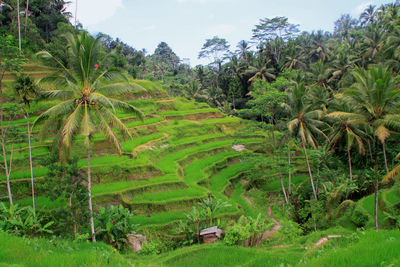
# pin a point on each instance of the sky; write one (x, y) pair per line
(185, 24)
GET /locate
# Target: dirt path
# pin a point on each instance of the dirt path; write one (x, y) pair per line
(324, 240)
(150, 144)
(274, 228)
(249, 202)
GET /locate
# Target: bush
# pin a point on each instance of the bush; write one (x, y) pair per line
(359, 216)
(23, 221)
(114, 226)
(290, 230)
(151, 248)
(245, 228)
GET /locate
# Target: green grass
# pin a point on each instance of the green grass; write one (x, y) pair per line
(128, 146)
(169, 196)
(368, 204)
(145, 122)
(25, 174)
(374, 249)
(120, 187)
(15, 251)
(41, 202)
(160, 218)
(275, 184)
(188, 112)
(168, 163)
(218, 255)
(150, 86)
(221, 120)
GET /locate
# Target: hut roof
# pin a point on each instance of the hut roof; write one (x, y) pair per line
(211, 230)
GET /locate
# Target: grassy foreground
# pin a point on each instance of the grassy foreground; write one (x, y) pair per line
(368, 248)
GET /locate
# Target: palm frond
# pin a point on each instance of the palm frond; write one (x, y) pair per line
(71, 126)
(105, 127)
(58, 110)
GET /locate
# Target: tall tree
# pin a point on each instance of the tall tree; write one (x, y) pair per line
(351, 130)
(26, 16)
(19, 26)
(304, 123)
(85, 107)
(10, 60)
(376, 95)
(27, 90)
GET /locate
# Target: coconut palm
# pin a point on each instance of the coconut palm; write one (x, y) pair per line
(304, 122)
(368, 16)
(377, 96)
(85, 92)
(27, 89)
(319, 74)
(26, 15)
(260, 70)
(19, 26)
(350, 129)
(342, 63)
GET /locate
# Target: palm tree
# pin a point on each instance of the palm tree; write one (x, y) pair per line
(260, 70)
(368, 15)
(19, 27)
(376, 95)
(193, 91)
(348, 129)
(26, 15)
(27, 89)
(304, 122)
(343, 63)
(243, 50)
(85, 107)
(319, 73)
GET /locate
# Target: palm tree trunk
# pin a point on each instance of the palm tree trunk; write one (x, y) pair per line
(290, 174)
(76, 13)
(7, 168)
(19, 27)
(30, 161)
(90, 198)
(278, 167)
(198, 231)
(26, 16)
(309, 171)
(385, 157)
(376, 189)
(370, 150)
(8, 172)
(351, 170)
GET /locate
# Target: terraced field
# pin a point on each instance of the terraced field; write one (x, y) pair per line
(181, 153)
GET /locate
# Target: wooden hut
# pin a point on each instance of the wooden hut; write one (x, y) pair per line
(211, 234)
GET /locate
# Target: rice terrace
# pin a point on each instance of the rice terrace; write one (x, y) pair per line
(278, 150)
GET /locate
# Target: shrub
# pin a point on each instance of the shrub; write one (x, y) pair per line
(23, 221)
(290, 230)
(245, 228)
(359, 216)
(114, 226)
(151, 248)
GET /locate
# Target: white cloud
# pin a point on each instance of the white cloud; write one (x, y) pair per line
(149, 28)
(221, 30)
(360, 8)
(201, 1)
(91, 12)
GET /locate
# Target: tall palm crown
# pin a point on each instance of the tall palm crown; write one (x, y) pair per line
(83, 87)
(376, 93)
(305, 122)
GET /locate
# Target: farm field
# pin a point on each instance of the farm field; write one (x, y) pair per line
(180, 154)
